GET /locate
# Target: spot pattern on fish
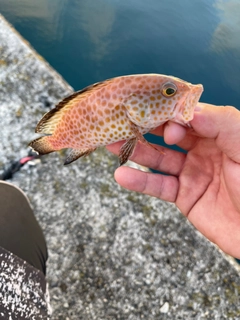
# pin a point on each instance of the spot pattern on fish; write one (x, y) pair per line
(121, 108)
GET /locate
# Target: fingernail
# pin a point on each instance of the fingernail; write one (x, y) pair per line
(198, 108)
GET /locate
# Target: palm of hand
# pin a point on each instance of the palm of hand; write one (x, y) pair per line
(207, 193)
(205, 182)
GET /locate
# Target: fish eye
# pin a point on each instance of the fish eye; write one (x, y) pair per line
(169, 90)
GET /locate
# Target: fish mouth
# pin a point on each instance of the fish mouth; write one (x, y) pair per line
(185, 107)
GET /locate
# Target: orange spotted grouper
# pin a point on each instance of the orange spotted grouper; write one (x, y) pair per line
(121, 108)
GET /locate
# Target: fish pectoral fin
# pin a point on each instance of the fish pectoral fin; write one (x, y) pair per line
(128, 147)
(127, 150)
(75, 154)
(141, 138)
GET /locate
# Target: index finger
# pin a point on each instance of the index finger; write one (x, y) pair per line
(170, 161)
(174, 133)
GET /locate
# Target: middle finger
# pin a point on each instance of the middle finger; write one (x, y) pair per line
(166, 160)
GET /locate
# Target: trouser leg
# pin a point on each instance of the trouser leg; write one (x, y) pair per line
(20, 232)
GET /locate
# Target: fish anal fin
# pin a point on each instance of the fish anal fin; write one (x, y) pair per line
(127, 150)
(76, 154)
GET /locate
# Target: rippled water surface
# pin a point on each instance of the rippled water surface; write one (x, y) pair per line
(88, 41)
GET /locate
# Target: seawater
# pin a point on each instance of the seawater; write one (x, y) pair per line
(89, 41)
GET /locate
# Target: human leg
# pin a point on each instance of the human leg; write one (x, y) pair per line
(20, 232)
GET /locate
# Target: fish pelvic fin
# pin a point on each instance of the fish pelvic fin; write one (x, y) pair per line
(42, 145)
(128, 147)
(141, 138)
(50, 120)
(76, 154)
(127, 150)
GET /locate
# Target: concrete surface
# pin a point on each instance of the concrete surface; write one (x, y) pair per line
(113, 254)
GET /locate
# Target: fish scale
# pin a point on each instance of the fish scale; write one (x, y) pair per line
(121, 108)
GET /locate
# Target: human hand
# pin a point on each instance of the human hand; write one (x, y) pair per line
(204, 183)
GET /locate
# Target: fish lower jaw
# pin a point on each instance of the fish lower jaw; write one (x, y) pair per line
(180, 119)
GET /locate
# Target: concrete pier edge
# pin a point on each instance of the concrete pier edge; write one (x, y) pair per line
(113, 254)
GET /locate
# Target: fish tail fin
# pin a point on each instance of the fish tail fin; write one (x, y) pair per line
(42, 145)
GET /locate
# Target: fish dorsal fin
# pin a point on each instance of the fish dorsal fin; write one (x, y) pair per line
(50, 120)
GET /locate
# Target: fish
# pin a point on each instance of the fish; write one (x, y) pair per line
(120, 108)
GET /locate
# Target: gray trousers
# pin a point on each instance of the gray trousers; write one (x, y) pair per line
(20, 232)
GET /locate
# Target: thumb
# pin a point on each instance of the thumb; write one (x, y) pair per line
(219, 123)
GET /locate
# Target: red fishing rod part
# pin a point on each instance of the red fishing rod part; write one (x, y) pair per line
(15, 166)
